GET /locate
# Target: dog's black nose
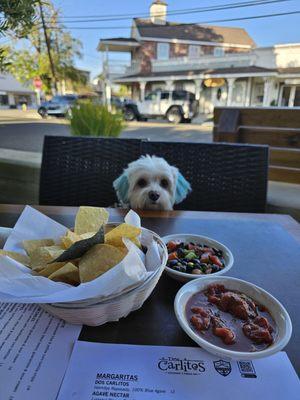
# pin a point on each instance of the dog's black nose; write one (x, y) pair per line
(154, 196)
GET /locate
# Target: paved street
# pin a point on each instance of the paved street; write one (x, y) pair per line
(164, 131)
(28, 136)
(27, 132)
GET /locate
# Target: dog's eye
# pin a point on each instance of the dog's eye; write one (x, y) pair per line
(164, 183)
(142, 183)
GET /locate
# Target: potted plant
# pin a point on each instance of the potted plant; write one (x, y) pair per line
(90, 119)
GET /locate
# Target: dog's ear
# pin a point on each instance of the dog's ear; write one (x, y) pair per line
(121, 186)
(182, 189)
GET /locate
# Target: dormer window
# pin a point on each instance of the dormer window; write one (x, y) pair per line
(163, 51)
(219, 51)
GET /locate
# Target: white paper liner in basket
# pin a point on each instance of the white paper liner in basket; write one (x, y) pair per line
(136, 270)
(140, 285)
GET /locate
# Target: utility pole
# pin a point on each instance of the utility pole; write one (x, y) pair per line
(107, 83)
(48, 46)
(61, 83)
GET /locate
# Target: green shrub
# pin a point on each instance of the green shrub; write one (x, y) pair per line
(88, 119)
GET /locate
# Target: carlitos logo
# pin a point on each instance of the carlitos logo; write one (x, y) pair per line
(174, 365)
(222, 367)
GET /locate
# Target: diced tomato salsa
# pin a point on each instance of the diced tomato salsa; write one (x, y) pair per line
(230, 318)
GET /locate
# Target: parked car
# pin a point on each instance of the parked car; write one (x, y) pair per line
(175, 105)
(57, 106)
(117, 103)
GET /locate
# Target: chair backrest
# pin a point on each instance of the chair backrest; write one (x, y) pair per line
(224, 177)
(277, 127)
(80, 170)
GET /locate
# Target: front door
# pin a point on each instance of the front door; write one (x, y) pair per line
(239, 93)
(297, 97)
(285, 96)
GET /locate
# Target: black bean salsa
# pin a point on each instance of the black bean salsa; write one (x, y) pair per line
(194, 258)
(230, 318)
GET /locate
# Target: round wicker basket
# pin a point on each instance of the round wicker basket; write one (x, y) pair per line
(98, 311)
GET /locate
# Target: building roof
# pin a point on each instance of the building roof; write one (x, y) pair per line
(194, 32)
(190, 73)
(120, 39)
(252, 69)
(9, 84)
(289, 70)
(117, 44)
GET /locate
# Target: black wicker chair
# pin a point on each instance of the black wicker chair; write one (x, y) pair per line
(224, 177)
(80, 170)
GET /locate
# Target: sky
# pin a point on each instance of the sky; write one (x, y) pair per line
(265, 32)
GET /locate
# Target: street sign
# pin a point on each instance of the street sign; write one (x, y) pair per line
(37, 83)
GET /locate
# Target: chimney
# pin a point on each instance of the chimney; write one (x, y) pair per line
(158, 12)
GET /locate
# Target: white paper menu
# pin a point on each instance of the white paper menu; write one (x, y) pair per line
(35, 348)
(109, 371)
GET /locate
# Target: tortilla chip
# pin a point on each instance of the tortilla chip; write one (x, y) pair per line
(109, 227)
(50, 269)
(69, 239)
(123, 250)
(21, 258)
(98, 260)
(67, 274)
(44, 255)
(54, 251)
(114, 237)
(90, 219)
(87, 235)
(31, 245)
(79, 248)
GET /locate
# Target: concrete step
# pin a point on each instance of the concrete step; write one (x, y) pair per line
(19, 176)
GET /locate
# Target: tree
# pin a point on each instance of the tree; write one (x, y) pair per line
(4, 59)
(26, 65)
(123, 91)
(18, 16)
(34, 60)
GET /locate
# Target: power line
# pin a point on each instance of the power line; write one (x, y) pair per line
(253, 17)
(171, 12)
(178, 12)
(188, 24)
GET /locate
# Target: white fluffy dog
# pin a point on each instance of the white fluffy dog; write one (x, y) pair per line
(150, 183)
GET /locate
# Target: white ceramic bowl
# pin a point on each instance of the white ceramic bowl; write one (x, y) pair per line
(276, 309)
(186, 237)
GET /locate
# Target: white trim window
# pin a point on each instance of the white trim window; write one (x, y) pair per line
(163, 51)
(194, 51)
(219, 51)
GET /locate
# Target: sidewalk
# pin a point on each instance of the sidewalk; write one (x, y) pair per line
(201, 121)
(19, 115)
(19, 176)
